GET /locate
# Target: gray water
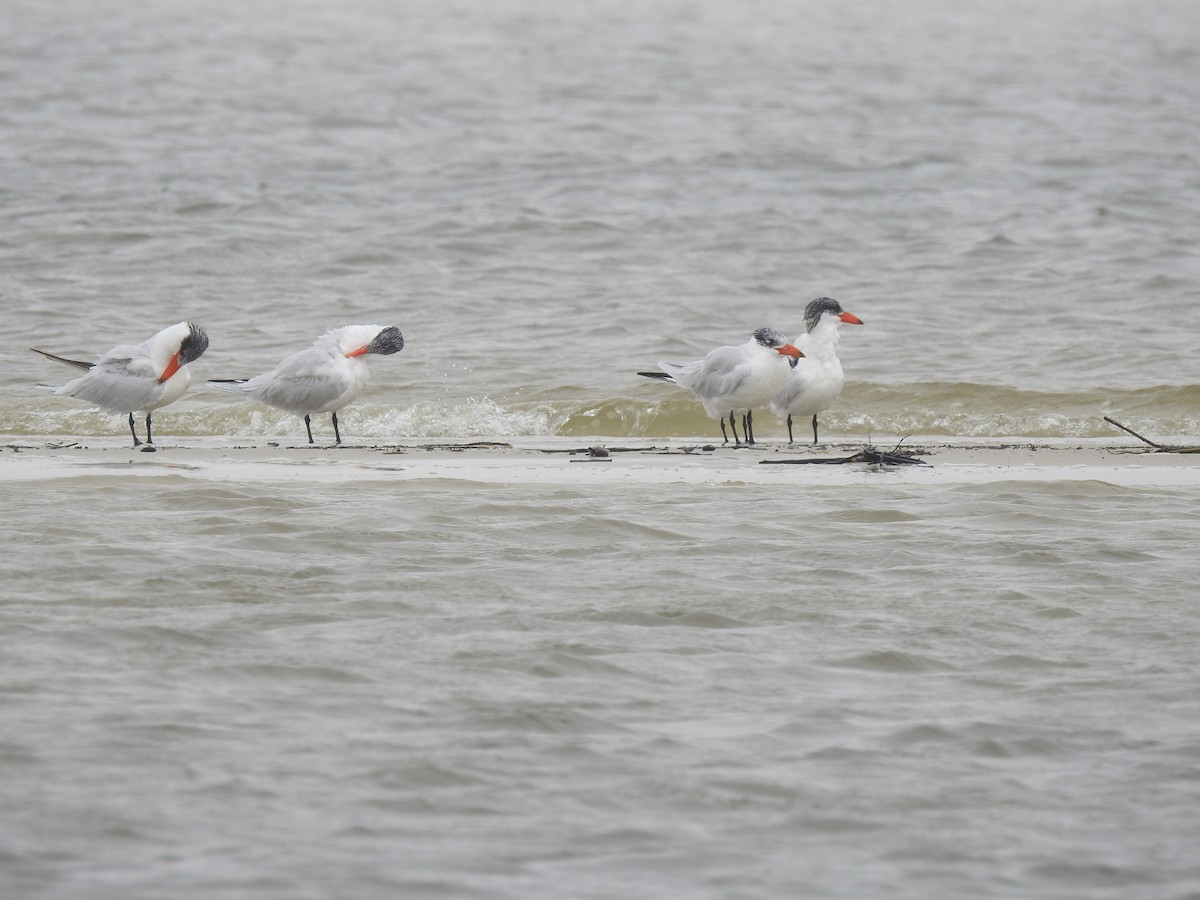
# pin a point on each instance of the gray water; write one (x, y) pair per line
(457, 690)
(364, 688)
(549, 197)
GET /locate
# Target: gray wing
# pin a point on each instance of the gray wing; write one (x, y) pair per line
(723, 372)
(305, 382)
(117, 392)
(128, 361)
(299, 393)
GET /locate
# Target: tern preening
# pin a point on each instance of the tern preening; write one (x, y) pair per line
(736, 379)
(815, 381)
(325, 377)
(141, 378)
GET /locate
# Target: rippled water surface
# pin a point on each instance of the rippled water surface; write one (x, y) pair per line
(455, 690)
(548, 198)
(362, 687)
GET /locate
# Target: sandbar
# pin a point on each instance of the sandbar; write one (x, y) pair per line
(596, 461)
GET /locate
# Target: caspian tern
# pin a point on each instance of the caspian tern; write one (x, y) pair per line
(141, 378)
(325, 377)
(735, 378)
(816, 381)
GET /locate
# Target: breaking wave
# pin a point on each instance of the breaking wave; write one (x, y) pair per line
(936, 409)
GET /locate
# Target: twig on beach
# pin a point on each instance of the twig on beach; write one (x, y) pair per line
(473, 445)
(868, 454)
(1144, 440)
(1160, 448)
(597, 450)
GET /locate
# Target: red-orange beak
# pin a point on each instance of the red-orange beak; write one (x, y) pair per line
(359, 352)
(789, 350)
(172, 367)
(850, 318)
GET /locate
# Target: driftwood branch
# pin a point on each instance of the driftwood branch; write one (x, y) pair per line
(1161, 448)
(1144, 440)
(869, 454)
(597, 450)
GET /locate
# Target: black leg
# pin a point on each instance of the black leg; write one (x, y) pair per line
(790, 439)
(337, 434)
(133, 431)
(149, 439)
(733, 425)
(308, 425)
(748, 426)
(814, 429)
(724, 433)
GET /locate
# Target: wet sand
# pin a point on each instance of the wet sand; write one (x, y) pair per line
(569, 461)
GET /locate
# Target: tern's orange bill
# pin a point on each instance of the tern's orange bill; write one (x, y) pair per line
(172, 367)
(850, 318)
(789, 350)
(359, 352)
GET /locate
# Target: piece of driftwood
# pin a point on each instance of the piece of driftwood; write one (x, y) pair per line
(872, 455)
(400, 449)
(597, 450)
(1158, 448)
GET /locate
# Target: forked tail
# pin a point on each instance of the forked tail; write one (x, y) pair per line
(70, 362)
